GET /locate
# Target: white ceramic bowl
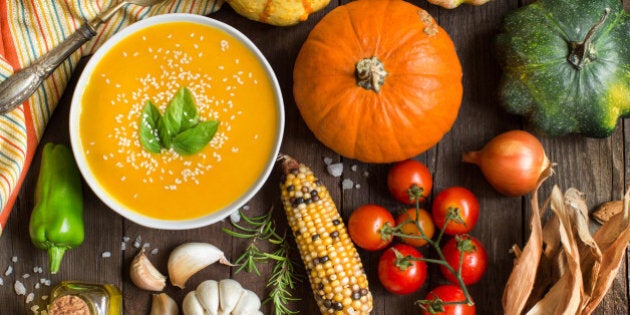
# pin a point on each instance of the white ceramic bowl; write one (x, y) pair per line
(79, 150)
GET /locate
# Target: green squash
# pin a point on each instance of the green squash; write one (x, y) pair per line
(566, 65)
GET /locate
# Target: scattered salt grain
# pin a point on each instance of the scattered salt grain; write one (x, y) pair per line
(34, 308)
(126, 239)
(37, 286)
(106, 254)
(246, 207)
(30, 297)
(146, 245)
(1, 282)
(354, 167)
(357, 186)
(327, 160)
(42, 280)
(26, 275)
(19, 288)
(335, 169)
(366, 174)
(347, 184)
(123, 246)
(235, 217)
(9, 271)
(137, 242)
(14, 259)
(47, 283)
(44, 297)
(35, 269)
(154, 251)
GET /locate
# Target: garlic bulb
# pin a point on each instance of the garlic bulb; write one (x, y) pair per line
(188, 258)
(162, 304)
(224, 297)
(144, 275)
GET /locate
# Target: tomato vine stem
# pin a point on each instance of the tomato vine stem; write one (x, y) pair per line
(435, 305)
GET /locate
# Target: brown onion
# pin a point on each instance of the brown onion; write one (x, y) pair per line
(511, 162)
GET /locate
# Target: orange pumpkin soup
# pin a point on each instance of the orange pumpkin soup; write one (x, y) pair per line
(229, 85)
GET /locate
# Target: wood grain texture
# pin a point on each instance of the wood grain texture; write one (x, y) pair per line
(598, 167)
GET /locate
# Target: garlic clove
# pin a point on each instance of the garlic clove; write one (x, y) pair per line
(144, 275)
(163, 304)
(208, 296)
(191, 306)
(188, 258)
(249, 303)
(230, 292)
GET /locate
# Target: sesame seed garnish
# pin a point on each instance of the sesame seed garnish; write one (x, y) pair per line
(169, 170)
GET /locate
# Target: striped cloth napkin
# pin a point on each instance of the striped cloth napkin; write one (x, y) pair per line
(29, 28)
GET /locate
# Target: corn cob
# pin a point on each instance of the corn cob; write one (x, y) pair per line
(332, 263)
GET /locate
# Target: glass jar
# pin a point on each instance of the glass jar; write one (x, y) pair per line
(85, 298)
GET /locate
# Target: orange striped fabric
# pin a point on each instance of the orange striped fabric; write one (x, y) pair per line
(28, 29)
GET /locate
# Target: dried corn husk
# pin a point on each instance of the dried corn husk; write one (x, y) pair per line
(523, 276)
(563, 269)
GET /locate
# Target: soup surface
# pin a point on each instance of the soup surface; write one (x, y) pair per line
(229, 85)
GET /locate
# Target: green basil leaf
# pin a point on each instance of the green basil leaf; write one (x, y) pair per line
(166, 136)
(149, 136)
(190, 116)
(193, 140)
(181, 112)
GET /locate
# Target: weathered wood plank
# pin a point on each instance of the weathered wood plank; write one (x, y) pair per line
(597, 167)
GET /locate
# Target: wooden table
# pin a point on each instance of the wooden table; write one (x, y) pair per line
(596, 167)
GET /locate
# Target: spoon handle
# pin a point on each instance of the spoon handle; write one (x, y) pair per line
(17, 88)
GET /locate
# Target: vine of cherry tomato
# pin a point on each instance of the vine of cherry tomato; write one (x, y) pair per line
(365, 225)
(474, 262)
(403, 175)
(421, 218)
(458, 199)
(401, 267)
(398, 274)
(449, 293)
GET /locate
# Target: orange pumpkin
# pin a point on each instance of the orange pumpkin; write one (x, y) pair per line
(378, 81)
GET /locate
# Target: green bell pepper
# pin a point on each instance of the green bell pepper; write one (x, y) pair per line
(56, 223)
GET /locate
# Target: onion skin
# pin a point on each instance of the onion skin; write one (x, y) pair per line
(511, 162)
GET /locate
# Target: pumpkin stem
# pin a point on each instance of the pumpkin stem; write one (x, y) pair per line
(580, 51)
(370, 74)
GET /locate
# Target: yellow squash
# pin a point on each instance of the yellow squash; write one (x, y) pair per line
(277, 12)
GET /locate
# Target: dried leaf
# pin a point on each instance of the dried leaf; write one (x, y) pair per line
(571, 269)
(523, 276)
(612, 239)
(551, 265)
(589, 252)
(565, 296)
(607, 210)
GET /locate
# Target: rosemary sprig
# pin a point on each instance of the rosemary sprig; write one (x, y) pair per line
(282, 280)
(262, 228)
(283, 277)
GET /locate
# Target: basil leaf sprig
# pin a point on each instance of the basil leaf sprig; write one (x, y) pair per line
(179, 128)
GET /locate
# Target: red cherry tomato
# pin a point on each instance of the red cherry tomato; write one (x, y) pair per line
(423, 219)
(365, 224)
(450, 293)
(406, 173)
(401, 276)
(475, 258)
(461, 200)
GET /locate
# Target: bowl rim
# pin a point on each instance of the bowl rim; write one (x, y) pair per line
(77, 147)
